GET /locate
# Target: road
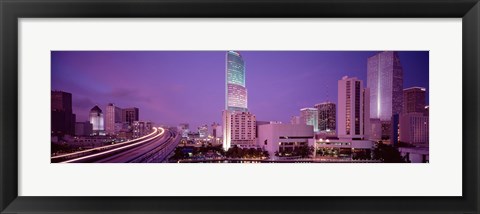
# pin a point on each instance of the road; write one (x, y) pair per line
(132, 154)
(154, 147)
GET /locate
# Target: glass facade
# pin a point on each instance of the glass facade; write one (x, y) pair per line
(385, 80)
(236, 92)
(96, 119)
(309, 116)
(327, 116)
(414, 100)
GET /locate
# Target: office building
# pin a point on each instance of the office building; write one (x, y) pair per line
(309, 116)
(97, 121)
(353, 119)
(236, 92)
(129, 115)
(367, 130)
(203, 131)
(239, 125)
(395, 130)
(216, 130)
(239, 129)
(62, 117)
(184, 129)
(385, 81)
(113, 119)
(414, 129)
(375, 130)
(327, 116)
(414, 100)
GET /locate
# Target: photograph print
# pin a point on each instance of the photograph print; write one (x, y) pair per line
(240, 106)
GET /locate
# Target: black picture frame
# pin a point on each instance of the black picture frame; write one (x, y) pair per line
(12, 10)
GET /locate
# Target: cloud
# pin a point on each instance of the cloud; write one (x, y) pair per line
(83, 102)
(128, 94)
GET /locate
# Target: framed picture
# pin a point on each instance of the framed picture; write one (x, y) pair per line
(228, 106)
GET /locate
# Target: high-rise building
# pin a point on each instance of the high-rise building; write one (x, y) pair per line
(129, 115)
(238, 124)
(375, 129)
(395, 130)
(309, 116)
(96, 119)
(216, 130)
(236, 92)
(184, 128)
(203, 131)
(352, 109)
(62, 117)
(239, 129)
(414, 129)
(385, 81)
(414, 100)
(113, 118)
(367, 127)
(327, 116)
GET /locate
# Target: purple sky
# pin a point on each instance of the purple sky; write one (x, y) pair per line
(172, 87)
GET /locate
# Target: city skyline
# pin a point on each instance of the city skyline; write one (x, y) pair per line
(173, 87)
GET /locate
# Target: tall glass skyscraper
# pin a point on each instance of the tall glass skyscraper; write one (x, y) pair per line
(236, 93)
(238, 124)
(385, 81)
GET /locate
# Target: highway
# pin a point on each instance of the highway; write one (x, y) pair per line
(132, 154)
(154, 147)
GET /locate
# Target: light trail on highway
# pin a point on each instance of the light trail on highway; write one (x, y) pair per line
(104, 147)
(162, 131)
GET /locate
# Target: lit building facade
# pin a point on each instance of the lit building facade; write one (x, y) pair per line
(309, 116)
(375, 129)
(353, 116)
(141, 128)
(184, 128)
(62, 117)
(283, 137)
(239, 125)
(113, 119)
(236, 92)
(97, 121)
(203, 131)
(414, 100)
(327, 116)
(414, 129)
(385, 81)
(239, 129)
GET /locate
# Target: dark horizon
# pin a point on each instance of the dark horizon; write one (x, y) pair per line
(172, 87)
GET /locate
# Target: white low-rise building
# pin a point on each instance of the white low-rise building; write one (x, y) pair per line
(415, 154)
(345, 148)
(276, 137)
